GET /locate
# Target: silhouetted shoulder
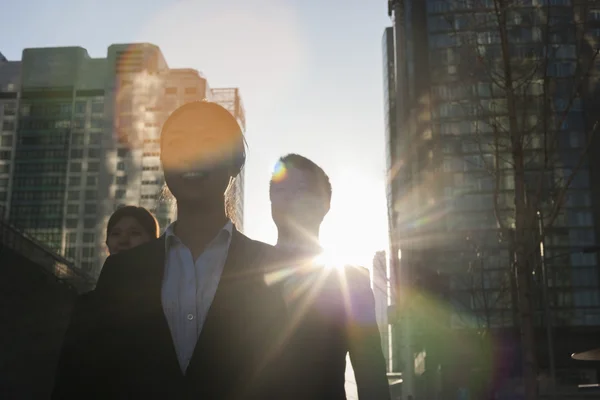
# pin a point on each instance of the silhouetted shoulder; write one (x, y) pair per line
(119, 267)
(261, 253)
(249, 241)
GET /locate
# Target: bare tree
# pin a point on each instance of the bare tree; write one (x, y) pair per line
(481, 292)
(516, 83)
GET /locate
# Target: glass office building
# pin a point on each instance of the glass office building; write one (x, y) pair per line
(440, 192)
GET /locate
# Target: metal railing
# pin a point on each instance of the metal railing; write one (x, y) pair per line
(13, 238)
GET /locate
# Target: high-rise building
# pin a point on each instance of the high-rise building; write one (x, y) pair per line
(10, 72)
(381, 293)
(231, 100)
(440, 201)
(80, 138)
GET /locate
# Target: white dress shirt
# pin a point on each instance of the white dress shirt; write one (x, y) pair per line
(189, 287)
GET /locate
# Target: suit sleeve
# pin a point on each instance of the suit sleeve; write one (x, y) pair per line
(80, 366)
(364, 339)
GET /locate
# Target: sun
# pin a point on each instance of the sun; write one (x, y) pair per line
(330, 259)
(356, 226)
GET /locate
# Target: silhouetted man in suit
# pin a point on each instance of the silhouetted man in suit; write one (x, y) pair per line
(331, 311)
(187, 315)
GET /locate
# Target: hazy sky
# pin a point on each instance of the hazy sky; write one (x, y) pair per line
(310, 73)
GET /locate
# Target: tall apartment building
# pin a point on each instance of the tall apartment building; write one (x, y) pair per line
(9, 83)
(440, 205)
(82, 139)
(231, 100)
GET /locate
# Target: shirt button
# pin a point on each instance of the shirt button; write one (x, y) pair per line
(190, 317)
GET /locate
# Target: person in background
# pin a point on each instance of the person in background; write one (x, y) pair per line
(129, 227)
(187, 315)
(331, 311)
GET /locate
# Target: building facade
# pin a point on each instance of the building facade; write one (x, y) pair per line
(441, 198)
(81, 138)
(231, 100)
(382, 294)
(9, 83)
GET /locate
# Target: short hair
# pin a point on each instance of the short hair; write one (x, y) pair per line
(140, 214)
(319, 180)
(218, 113)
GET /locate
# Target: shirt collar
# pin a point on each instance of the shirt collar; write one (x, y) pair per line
(170, 233)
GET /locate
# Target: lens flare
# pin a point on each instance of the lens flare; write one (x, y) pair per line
(279, 172)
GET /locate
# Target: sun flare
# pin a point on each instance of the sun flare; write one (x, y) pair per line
(356, 226)
(330, 259)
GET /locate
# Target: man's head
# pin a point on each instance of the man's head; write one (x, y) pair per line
(202, 148)
(300, 194)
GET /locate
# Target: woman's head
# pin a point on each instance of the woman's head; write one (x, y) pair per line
(129, 227)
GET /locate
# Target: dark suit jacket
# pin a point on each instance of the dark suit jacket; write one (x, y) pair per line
(330, 316)
(119, 345)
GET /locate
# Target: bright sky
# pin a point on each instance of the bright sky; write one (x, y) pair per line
(310, 72)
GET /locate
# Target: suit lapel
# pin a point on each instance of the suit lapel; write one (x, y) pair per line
(152, 269)
(221, 302)
(238, 303)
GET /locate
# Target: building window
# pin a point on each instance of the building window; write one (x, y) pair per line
(25, 110)
(73, 209)
(89, 238)
(73, 195)
(97, 123)
(79, 123)
(8, 125)
(586, 298)
(6, 141)
(93, 166)
(77, 153)
(121, 180)
(97, 107)
(80, 107)
(171, 90)
(74, 181)
(65, 108)
(71, 253)
(120, 166)
(89, 223)
(93, 153)
(75, 167)
(122, 153)
(71, 237)
(191, 90)
(4, 168)
(88, 252)
(120, 194)
(10, 109)
(95, 138)
(77, 139)
(92, 181)
(90, 195)
(90, 208)
(72, 223)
